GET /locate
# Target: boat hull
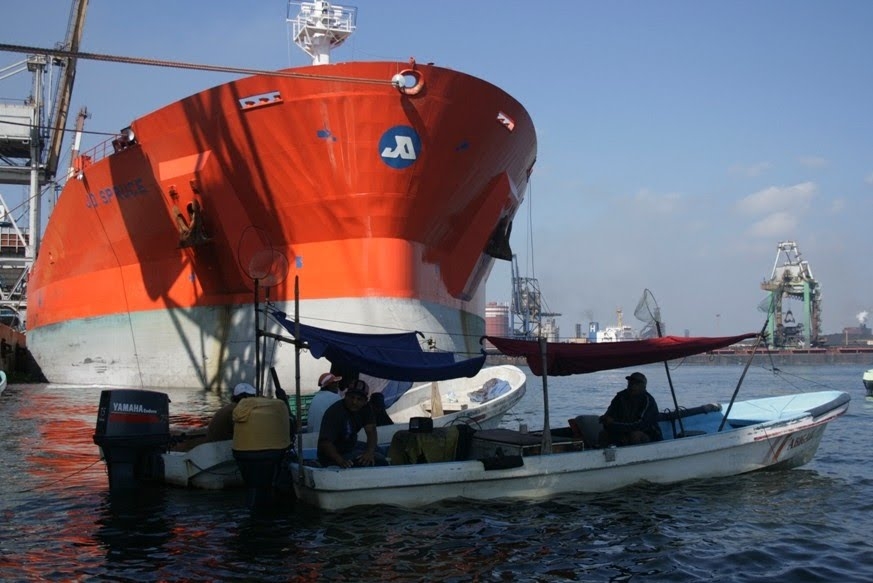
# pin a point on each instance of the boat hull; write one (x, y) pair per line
(384, 211)
(212, 466)
(867, 379)
(786, 439)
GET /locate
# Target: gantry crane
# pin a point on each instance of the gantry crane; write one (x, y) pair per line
(30, 146)
(528, 306)
(792, 279)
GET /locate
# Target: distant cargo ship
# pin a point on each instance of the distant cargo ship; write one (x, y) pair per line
(388, 187)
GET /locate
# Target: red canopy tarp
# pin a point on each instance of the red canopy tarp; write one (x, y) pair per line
(567, 359)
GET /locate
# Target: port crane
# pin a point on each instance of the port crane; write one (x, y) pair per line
(792, 279)
(529, 307)
(31, 137)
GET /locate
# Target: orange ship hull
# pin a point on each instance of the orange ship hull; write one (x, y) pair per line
(389, 207)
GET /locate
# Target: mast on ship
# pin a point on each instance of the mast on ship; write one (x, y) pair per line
(318, 27)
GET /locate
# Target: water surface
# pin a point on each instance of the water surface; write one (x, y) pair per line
(808, 524)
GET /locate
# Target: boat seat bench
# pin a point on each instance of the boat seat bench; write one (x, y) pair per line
(588, 426)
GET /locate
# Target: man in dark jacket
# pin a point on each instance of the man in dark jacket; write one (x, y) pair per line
(632, 417)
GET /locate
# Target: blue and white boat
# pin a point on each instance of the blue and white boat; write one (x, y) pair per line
(711, 440)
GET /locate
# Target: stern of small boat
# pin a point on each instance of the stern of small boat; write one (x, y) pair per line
(133, 430)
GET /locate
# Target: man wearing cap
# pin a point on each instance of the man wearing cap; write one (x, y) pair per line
(338, 443)
(221, 425)
(327, 395)
(632, 416)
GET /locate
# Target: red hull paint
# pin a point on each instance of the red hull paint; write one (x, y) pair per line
(302, 166)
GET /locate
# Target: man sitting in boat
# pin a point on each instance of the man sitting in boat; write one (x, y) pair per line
(221, 425)
(338, 443)
(632, 416)
(327, 395)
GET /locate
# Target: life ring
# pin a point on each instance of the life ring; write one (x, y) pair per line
(400, 81)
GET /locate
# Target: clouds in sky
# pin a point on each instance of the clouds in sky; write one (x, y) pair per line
(777, 210)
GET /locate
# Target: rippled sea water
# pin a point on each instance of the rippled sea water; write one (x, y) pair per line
(809, 524)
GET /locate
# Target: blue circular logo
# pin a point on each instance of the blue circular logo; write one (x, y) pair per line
(400, 147)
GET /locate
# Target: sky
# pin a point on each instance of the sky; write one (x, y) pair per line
(679, 142)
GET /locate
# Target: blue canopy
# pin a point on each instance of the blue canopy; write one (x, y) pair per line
(396, 357)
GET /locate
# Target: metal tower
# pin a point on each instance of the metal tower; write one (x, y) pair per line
(793, 280)
(320, 26)
(31, 136)
(529, 307)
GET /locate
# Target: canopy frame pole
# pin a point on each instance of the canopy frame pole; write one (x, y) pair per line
(298, 399)
(742, 376)
(258, 375)
(670, 382)
(546, 444)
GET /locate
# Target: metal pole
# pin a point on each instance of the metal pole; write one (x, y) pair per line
(36, 64)
(742, 376)
(299, 400)
(670, 382)
(257, 343)
(547, 431)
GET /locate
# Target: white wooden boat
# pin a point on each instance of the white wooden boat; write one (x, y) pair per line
(714, 440)
(211, 465)
(776, 432)
(867, 378)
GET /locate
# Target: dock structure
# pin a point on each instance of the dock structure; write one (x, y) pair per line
(32, 132)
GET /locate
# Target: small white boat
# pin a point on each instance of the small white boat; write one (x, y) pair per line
(479, 402)
(776, 432)
(867, 378)
(714, 440)
(2, 381)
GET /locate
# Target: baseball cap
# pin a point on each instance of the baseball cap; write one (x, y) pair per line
(637, 377)
(328, 378)
(244, 389)
(360, 387)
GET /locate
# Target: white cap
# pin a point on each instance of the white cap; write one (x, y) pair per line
(328, 378)
(244, 389)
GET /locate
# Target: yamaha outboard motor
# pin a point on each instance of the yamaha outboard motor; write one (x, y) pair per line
(261, 438)
(133, 430)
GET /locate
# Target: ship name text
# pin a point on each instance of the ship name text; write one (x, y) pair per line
(129, 189)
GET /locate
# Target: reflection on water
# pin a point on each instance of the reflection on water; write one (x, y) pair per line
(59, 521)
(134, 529)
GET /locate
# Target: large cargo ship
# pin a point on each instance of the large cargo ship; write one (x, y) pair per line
(388, 187)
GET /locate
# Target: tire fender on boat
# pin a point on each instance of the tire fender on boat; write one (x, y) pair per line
(400, 78)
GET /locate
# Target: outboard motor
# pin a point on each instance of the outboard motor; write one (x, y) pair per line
(261, 438)
(133, 430)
